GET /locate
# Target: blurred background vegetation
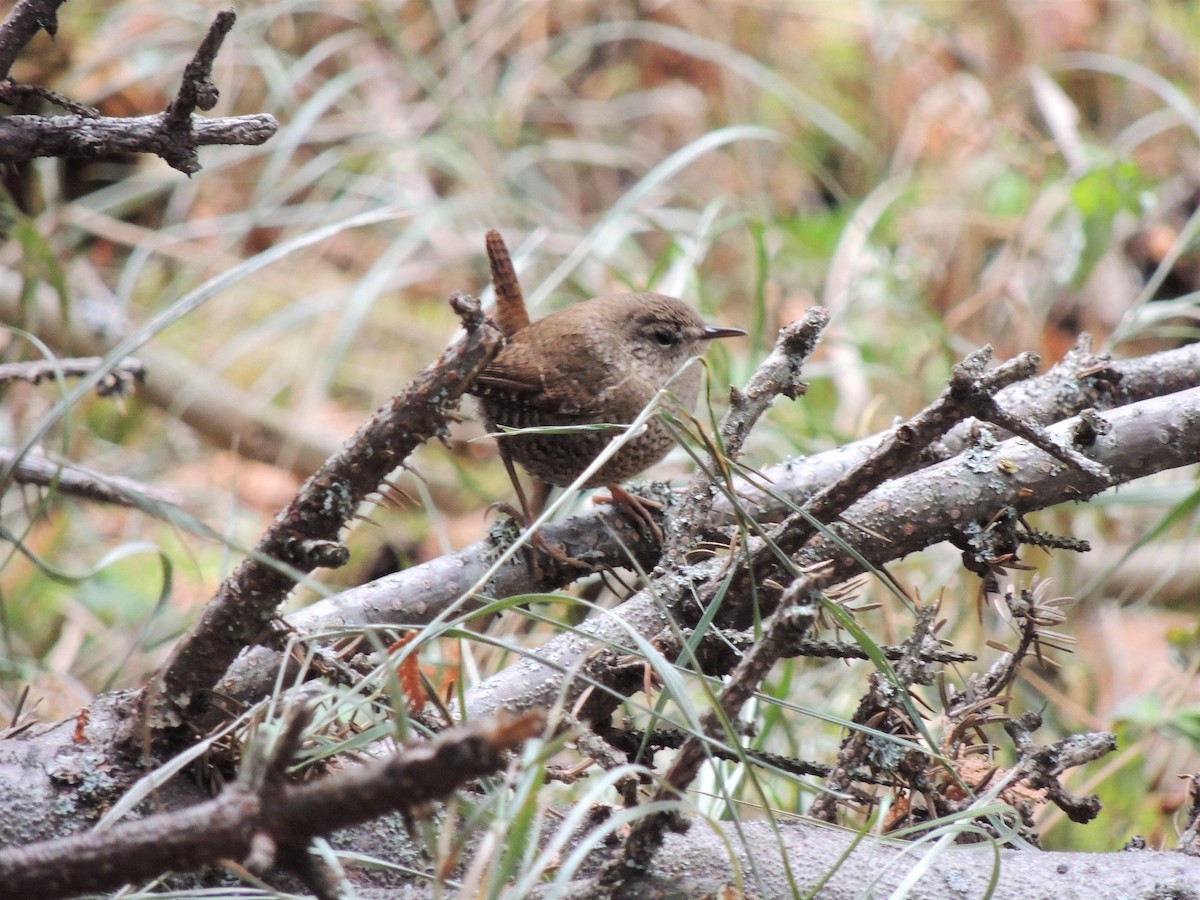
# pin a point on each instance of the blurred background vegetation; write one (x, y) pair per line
(939, 174)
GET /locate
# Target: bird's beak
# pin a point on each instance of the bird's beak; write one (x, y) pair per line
(712, 332)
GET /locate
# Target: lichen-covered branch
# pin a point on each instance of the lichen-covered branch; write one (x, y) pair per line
(305, 535)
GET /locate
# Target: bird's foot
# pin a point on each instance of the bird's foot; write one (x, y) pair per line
(639, 506)
(538, 544)
(557, 553)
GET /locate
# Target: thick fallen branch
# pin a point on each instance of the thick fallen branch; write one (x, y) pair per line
(795, 858)
(263, 813)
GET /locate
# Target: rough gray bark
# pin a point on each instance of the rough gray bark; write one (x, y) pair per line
(27, 137)
(796, 858)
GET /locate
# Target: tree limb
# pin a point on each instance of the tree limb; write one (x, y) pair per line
(27, 137)
(791, 857)
(305, 535)
(263, 811)
(172, 135)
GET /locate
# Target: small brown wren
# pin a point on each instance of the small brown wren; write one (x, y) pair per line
(600, 361)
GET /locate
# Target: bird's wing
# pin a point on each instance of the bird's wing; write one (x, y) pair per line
(523, 378)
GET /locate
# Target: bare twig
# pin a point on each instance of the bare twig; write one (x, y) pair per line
(196, 91)
(1041, 766)
(630, 741)
(1036, 435)
(70, 478)
(714, 643)
(15, 94)
(117, 381)
(778, 374)
(27, 137)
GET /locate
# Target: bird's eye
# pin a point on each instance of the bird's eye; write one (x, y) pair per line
(665, 337)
